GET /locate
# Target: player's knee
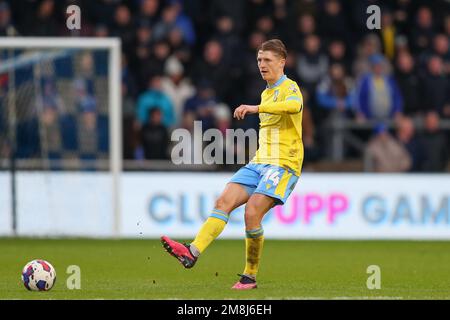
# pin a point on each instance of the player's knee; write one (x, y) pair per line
(251, 211)
(222, 203)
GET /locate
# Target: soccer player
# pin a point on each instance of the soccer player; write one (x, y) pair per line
(269, 178)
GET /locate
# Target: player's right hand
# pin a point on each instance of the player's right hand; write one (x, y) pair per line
(243, 109)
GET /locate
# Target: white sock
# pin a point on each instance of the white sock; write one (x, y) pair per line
(193, 249)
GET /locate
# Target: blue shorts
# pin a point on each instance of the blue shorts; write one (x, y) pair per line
(271, 180)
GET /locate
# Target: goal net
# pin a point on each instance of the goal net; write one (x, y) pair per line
(60, 136)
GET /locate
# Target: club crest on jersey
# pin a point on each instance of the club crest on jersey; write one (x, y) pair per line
(275, 96)
(293, 88)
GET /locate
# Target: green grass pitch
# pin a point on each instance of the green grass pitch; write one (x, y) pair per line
(141, 269)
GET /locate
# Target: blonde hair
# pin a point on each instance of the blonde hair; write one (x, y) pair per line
(276, 46)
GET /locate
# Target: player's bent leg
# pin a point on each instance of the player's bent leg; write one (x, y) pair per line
(232, 197)
(256, 208)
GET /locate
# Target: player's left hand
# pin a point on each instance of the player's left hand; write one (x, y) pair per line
(243, 109)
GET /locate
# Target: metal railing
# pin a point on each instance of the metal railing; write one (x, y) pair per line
(342, 128)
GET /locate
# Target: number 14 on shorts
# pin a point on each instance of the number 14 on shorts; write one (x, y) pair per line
(273, 175)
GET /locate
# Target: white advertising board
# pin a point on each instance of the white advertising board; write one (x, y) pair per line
(5, 204)
(322, 206)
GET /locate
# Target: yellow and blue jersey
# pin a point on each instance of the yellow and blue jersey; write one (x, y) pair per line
(280, 133)
(275, 169)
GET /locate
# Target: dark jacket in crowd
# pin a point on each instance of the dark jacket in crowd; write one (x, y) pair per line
(436, 92)
(155, 139)
(410, 87)
(434, 147)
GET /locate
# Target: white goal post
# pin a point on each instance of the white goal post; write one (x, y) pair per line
(113, 46)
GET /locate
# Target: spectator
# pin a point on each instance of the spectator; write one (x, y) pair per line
(282, 15)
(176, 86)
(388, 33)
(312, 150)
(306, 25)
(337, 53)
(255, 9)
(212, 67)
(154, 65)
(232, 56)
(84, 99)
(155, 137)
(385, 154)
(401, 45)
(312, 65)
(436, 87)
(101, 31)
(229, 41)
(409, 83)
(140, 54)
(441, 48)
(7, 28)
(423, 31)
(50, 98)
(402, 16)
(447, 25)
(369, 47)
(45, 23)
(335, 91)
(378, 96)
(407, 137)
(184, 22)
(51, 105)
(266, 25)
(149, 12)
(290, 68)
(88, 135)
(166, 23)
(201, 106)
(219, 8)
(179, 47)
(434, 145)
(332, 23)
(335, 97)
(123, 27)
(100, 11)
(173, 17)
(155, 98)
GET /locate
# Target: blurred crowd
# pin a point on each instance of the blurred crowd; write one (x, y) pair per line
(195, 60)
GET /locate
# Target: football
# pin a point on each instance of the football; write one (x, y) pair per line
(38, 275)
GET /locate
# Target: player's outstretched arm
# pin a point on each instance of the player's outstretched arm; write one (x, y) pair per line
(287, 106)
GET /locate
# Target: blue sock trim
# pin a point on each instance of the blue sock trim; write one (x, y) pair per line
(219, 214)
(255, 233)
